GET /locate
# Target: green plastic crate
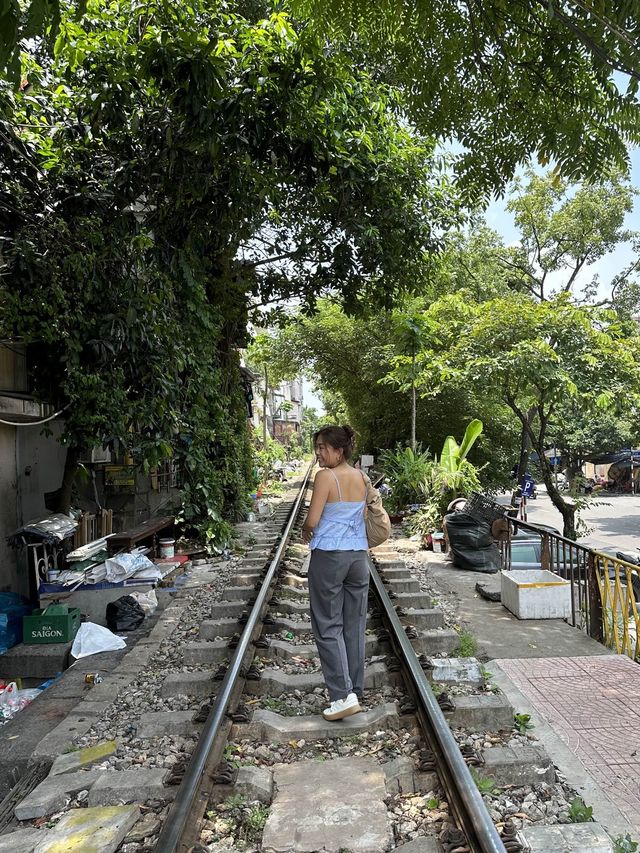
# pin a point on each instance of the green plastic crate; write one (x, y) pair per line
(56, 624)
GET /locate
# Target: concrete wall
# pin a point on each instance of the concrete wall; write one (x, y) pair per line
(40, 463)
(9, 579)
(30, 465)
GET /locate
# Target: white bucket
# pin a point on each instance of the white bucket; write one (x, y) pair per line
(167, 547)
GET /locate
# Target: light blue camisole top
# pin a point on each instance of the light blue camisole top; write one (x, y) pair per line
(341, 526)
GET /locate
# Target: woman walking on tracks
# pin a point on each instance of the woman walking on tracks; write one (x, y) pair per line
(339, 569)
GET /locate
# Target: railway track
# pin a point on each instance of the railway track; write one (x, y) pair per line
(282, 592)
(234, 750)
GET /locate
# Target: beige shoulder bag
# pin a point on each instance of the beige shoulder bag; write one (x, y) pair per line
(376, 518)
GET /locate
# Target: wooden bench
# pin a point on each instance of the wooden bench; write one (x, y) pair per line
(139, 535)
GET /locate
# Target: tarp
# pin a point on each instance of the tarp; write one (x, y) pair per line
(52, 530)
(615, 457)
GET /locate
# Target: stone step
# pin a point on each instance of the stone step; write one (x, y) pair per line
(69, 762)
(305, 814)
(165, 724)
(199, 684)
(283, 650)
(22, 840)
(299, 609)
(246, 578)
(206, 652)
(269, 727)
(417, 600)
(102, 829)
(238, 593)
(436, 640)
(401, 777)
(282, 624)
(295, 581)
(425, 844)
(226, 609)
(568, 838)
(254, 560)
(115, 787)
(53, 793)
(293, 592)
(274, 682)
(390, 562)
(455, 671)
(399, 585)
(484, 713)
(518, 766)
(286, 606)
(393, 571)
(212, 628)
(430, 617)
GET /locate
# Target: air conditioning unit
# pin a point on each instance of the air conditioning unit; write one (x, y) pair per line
(100, 454)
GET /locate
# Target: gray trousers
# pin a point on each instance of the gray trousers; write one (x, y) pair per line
(338, 586)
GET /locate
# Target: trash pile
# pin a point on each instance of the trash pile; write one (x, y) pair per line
(92, 564)
(13, 700)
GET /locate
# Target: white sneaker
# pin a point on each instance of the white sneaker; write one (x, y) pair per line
(342, 708)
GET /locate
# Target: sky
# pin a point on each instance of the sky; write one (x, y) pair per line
(310, 398)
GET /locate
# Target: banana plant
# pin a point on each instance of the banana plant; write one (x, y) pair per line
(452, 475)
(454, 454)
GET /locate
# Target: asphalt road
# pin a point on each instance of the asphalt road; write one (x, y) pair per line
(613, 521)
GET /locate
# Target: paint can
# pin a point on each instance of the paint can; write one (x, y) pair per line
(167, 547)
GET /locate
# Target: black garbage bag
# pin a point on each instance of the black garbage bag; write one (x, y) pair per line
(124, 614)
(471, 543)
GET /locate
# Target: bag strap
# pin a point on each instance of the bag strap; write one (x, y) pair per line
(367, 483)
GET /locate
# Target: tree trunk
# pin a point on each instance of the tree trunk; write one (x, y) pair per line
(523, 461)
(264, 407)
(68, 478)
(565, 507)
(413, 403)
(574, 469)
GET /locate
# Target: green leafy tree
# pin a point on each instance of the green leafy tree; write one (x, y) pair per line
(349, 360)
(409, 337)
(538, 356)
(563, 231)
(167, 170)
(507, 81)
(262, 357)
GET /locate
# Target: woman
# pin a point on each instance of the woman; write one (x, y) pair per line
(339, 569)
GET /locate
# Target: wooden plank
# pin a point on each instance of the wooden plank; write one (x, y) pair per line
(129, 538)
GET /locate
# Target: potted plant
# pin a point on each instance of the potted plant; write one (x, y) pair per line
(405, 471)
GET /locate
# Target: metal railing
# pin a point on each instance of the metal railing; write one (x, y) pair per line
(619, 593)
(605, 590)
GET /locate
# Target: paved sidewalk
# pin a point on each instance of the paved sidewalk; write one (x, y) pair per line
(593, 703)
(584, 699)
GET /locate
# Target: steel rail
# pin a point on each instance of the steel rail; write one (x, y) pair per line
(176, 820)
(462, 792)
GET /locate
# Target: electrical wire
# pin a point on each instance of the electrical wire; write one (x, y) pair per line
(34, 423)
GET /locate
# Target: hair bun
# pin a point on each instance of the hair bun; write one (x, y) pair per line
(351, 433)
